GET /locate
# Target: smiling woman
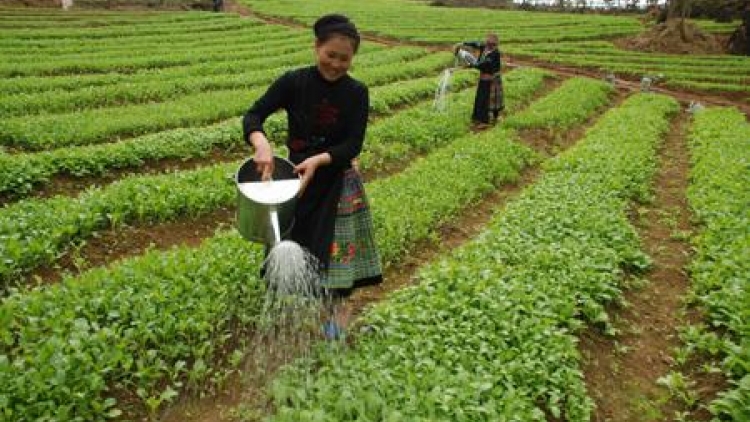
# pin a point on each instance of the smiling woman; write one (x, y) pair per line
(327, 113)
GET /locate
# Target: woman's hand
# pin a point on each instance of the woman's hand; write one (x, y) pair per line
(263, 157)
(307, 168)
(355, 164)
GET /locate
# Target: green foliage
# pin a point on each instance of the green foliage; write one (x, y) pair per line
(570, 104)
(101, 125)
(693, 71)
(420, 22)
(21, 173)
(241, 61)
(488, 333)
(142, 321)
(720, 198)
(152, 325)
(435, 128)
(36, 231)
(435, 188)
(252, 69)
(135, 326)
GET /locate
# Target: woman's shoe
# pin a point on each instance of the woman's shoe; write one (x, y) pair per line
(332, 331)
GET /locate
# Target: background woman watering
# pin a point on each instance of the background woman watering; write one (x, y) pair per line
(489, 97)
(327, 113)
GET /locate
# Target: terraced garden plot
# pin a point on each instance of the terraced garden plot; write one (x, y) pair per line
(509, 159)
(719, 194)
(160, 326)
(418, 22)
(487, 334)
(533, 35)
(677, 71)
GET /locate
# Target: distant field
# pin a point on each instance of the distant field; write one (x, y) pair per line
(565, 39)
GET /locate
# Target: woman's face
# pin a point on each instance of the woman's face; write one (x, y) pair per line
(334, 57)
(491, 42)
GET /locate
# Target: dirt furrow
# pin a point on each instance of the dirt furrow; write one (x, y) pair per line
(622, 373)
(69, 185)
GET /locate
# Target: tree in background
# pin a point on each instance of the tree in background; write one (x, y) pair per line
(680, 9)
(739, 42)
(720, 10)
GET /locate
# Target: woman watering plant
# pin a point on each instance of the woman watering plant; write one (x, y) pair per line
(489, 97)
(327, 113)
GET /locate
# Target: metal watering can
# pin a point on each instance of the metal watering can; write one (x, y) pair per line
(465, 57)
(265, 209)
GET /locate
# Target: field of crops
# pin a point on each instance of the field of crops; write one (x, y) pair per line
(574, 40)
(117, 123)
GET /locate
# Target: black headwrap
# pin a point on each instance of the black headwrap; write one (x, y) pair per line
(335, 24)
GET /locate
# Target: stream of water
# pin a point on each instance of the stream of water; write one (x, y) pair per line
(290, 320)
(441, 93)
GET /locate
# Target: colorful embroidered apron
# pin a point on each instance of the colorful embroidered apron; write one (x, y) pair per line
(354, 256)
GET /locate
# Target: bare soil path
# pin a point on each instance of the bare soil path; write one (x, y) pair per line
(622, 373)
